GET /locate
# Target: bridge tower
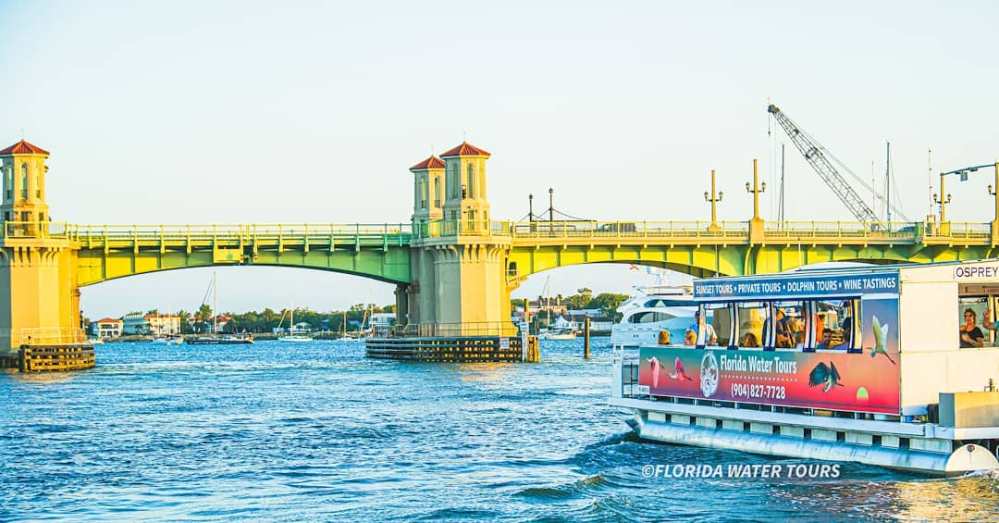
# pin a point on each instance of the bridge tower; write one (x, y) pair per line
(458, 264)
(428, 198)
(39, 296)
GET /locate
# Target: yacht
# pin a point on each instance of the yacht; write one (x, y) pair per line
(651, 310)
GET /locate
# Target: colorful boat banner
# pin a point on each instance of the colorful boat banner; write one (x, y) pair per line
(799, 286)
(834, 380)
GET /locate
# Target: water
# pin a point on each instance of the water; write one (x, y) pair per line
(315, 431)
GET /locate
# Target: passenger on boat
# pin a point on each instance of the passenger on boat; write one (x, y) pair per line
(990, 325)
(971, 335)
(664, 337)
(782, 330)
(749, 340)
(690, 338)
(826, 340)
(709, 330)
(798, 333)
(847, 326)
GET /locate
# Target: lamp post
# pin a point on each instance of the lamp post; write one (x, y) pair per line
(993, 189)
(757, 188)
(942, 200)
(713, 198)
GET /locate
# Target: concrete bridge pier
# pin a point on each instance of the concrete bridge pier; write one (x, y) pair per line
(39, 293)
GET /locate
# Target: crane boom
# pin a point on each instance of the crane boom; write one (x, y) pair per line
(813, 153)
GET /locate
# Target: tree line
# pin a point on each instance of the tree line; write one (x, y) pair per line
(269, 319)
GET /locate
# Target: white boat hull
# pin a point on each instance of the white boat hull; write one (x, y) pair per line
(753, 432)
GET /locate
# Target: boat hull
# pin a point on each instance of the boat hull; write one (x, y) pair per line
(785, 436)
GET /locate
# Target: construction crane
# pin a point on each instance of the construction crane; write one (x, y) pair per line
(818, 156)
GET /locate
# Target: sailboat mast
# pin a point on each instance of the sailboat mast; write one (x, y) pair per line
(215, 304)
(888, 181)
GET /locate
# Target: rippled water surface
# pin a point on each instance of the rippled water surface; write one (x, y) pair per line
(317, 432)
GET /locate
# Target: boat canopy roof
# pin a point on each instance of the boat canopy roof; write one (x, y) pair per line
(819, 283)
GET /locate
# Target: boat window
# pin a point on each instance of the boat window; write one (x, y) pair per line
(752, 316)
(834, 325)
(976, 321)
(717, 325)
(649, 317)
(790, 324)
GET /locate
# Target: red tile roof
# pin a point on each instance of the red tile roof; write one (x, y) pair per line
(23, 147)
(107, 320)
(430, 163)
(466, 149)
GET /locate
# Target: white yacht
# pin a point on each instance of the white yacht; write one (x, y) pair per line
(654, 309)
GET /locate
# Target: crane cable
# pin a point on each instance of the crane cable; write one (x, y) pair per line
(853, 175)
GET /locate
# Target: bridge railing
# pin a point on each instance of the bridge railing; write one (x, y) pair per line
(901, 231)
(84, 232)
(43, 336)
(445, 228)
(627, 228)
(13, 229)
(424, 330)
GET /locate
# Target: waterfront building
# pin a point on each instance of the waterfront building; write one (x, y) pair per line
(134, 323)
(153, 323)
(106, 328)
(162, 324)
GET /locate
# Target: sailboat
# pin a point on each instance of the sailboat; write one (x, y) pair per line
(213, 338)
(291, 336)
(359, 334)
(562, 329)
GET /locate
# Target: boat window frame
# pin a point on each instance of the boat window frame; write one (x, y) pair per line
(803, 306)
(761, 339)
(853, 342)
(702, 309)
(989, 333)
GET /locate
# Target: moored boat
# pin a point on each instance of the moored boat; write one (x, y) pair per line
(651, 311)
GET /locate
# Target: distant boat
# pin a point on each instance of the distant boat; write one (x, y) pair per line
(562, 329)
(291, 336)
(214, 338)
(226, 339)
(556, 335)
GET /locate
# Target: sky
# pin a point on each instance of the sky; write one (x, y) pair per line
(257, 112)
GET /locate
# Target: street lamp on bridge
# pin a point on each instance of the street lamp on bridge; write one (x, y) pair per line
(713, 198)
(757, 188)
(993, 189)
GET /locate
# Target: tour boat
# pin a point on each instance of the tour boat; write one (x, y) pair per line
(651, 311)
(893, 366)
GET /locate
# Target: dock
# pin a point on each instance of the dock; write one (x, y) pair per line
(49, 358)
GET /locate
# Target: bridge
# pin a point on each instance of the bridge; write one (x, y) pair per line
(452, 264)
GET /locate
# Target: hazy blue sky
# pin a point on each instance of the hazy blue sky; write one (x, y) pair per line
(236, 112)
